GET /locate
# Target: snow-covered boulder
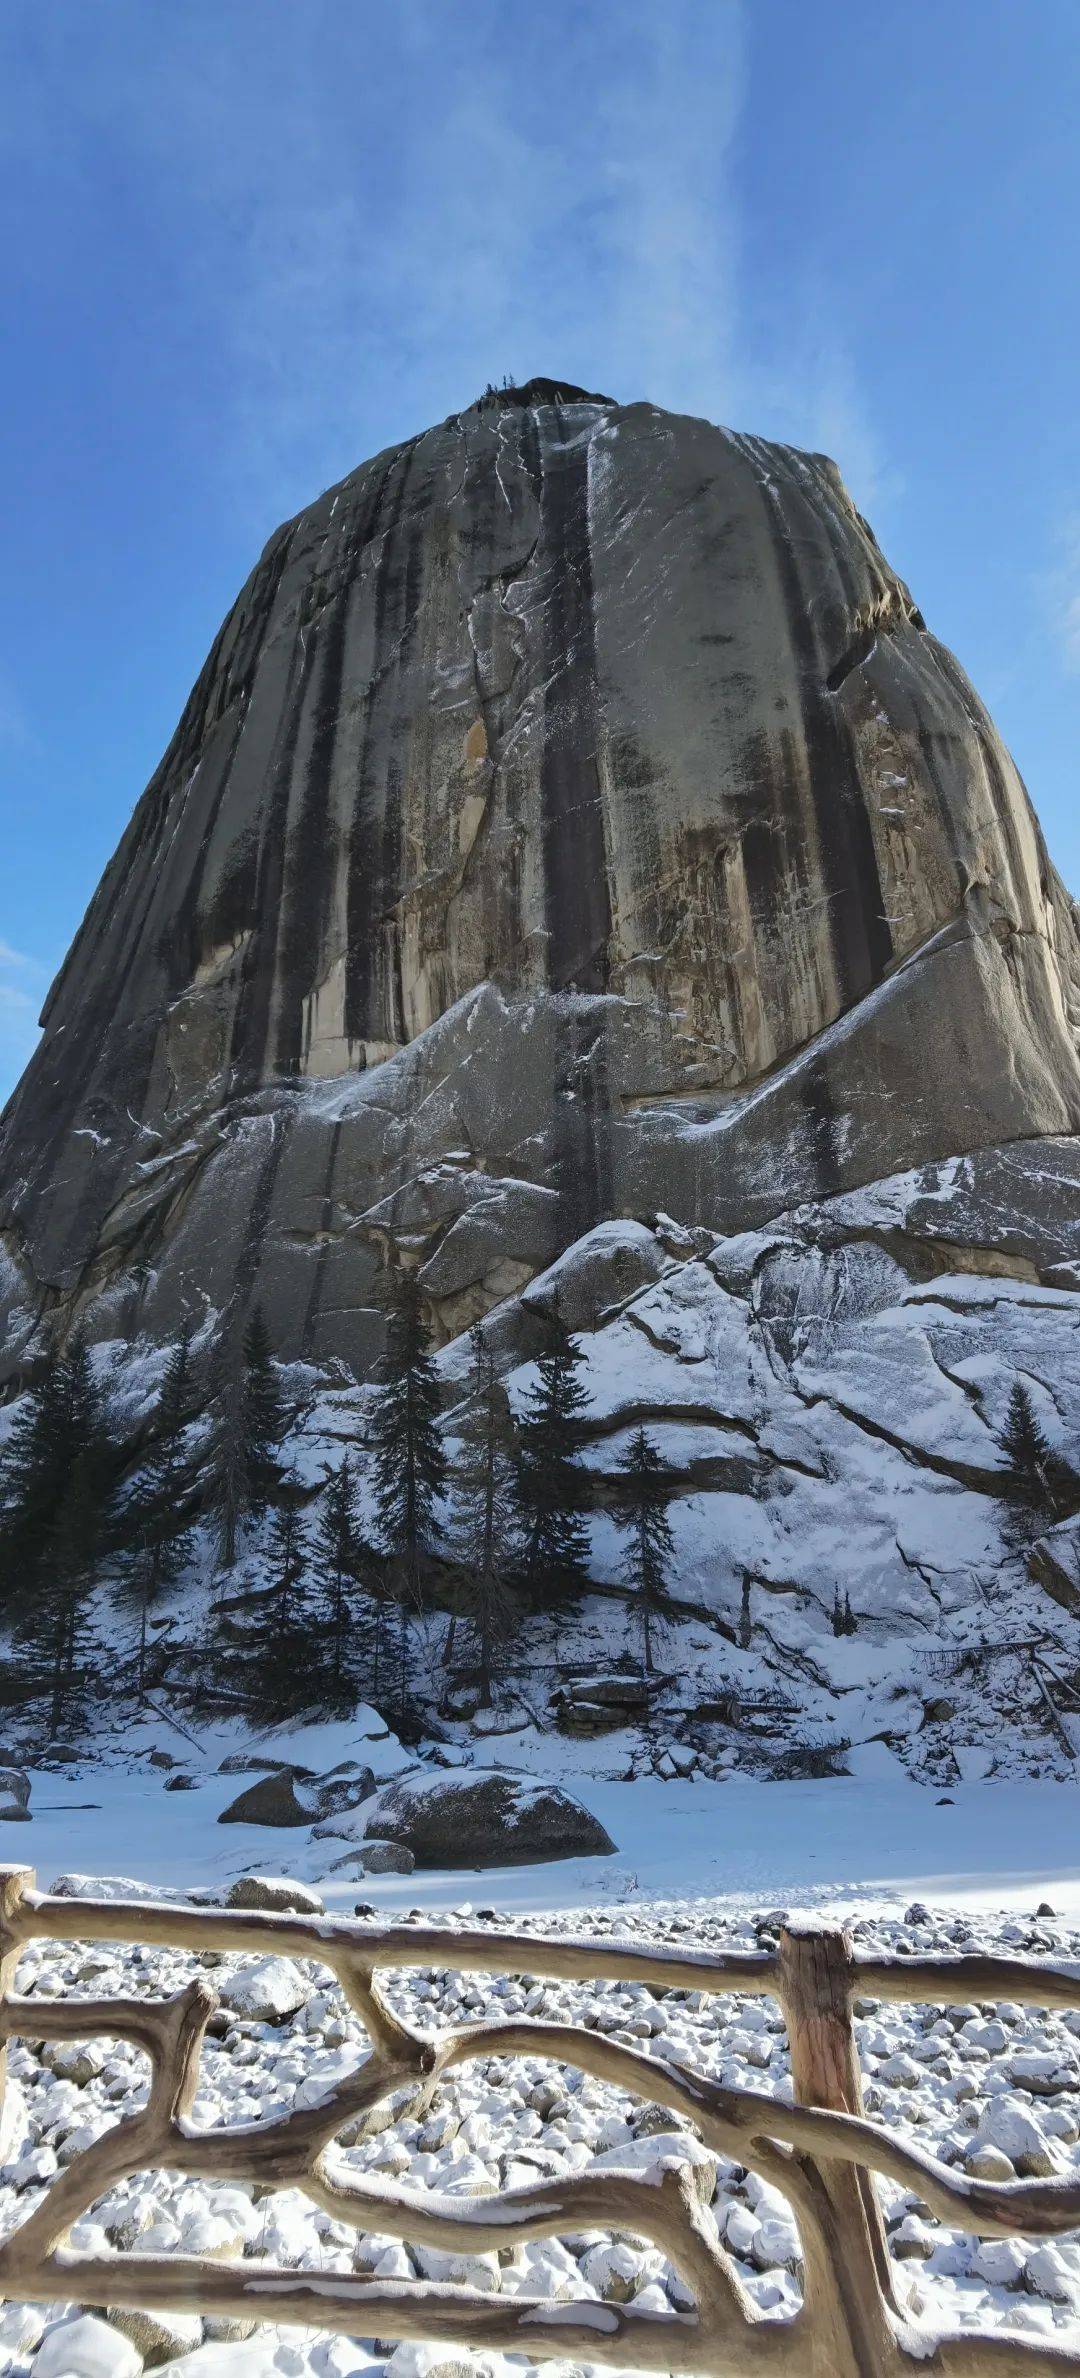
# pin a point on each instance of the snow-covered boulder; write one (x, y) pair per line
(113, 1886)
(159, 2336)
(387, 1857)
(483, 1818)
(14, 1794)
(655, 2151)
(346, 1787)
(277, 1894)
(268, 1990)
(86, 2347)
(271, 1801)
(1012, 2128)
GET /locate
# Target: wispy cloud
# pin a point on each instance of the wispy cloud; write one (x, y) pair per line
(23, 981)
(15, 729)
(372, 222)
(1064, 595)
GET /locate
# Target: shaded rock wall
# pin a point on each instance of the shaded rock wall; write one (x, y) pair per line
(573, 817)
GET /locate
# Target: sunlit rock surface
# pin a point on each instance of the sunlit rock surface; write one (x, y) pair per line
(574, 820)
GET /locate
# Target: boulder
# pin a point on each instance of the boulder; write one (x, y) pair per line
(1010, 2126)
(14, 1795)
(1054, 1562)
(484, 1818)
(266, 1990)
(114, 1886)
(159, 2336)
(271, 1801)
(621, 1692)
(278, 1894)
(345, 1787)
(586, 1718)
(86, 2347)
(387, 1857)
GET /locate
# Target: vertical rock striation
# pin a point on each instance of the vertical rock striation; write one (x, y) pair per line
(574, 817)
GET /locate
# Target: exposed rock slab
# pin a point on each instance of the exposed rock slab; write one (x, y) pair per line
(574, 820)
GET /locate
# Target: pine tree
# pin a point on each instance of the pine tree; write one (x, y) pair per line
(264, 1410)
(484, 1598)
(555, 1535)
(157, 1536)
(228, 1476)
(409, 1462)
(248, 1427)
(59, 1483)
(837, 1613)
(77, 1547)
(283, 1676)
(647, 1483)
(342, 1564)
(851, 1626)
(1030, 1457)
(37, 1460)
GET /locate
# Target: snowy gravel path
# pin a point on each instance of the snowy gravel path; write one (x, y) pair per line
(988, 2081)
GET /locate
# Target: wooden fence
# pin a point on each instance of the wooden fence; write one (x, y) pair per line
(854, 2321)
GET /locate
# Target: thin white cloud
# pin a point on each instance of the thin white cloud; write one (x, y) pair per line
(1057, 594)
(1069, 594)
(15, 728)
(371, 224)
(22, 988)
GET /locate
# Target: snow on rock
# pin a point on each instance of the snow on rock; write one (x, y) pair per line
(1011, 2125)
(484, 1818)
(110, 1886)
(831, 1391)
(159, 2336)
(86, 2347)
(14, 1794)
(278, 1894)
(267, 1990)
(273, 1800)
(387, 1857)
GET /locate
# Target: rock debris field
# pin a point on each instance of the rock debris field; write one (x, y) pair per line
(992, 2088)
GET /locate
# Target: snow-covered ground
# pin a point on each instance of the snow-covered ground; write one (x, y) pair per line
(700, 1857)
(850, 1842)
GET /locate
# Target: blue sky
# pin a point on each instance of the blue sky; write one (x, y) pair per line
(248, 242)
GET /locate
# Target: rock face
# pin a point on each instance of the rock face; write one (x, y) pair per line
(574, 819)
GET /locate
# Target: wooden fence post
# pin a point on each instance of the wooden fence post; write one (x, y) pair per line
(14, 1880)
(817, 1976)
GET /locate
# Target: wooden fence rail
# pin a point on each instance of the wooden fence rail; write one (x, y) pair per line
(820, 2151)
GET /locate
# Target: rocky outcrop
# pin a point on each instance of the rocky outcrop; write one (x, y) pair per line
(574, 819)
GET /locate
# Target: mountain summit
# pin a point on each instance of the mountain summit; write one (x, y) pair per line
(574, 820)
